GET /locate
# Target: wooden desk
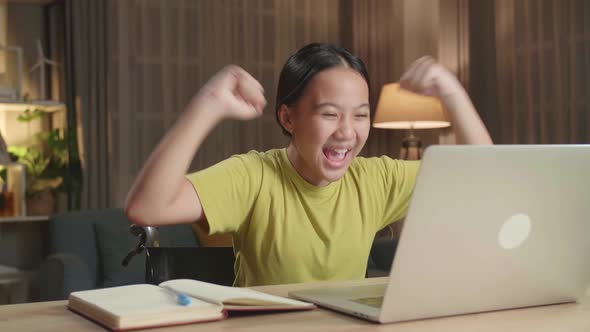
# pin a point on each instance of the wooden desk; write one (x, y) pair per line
(574, 317)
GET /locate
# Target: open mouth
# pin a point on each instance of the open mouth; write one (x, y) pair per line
(336, 155)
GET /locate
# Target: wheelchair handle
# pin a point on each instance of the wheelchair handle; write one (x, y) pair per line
(148, 237)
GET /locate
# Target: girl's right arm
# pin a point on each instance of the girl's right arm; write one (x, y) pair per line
(161, 195)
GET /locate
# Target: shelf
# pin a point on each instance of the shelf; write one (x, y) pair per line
(21, 219)
(46, 105)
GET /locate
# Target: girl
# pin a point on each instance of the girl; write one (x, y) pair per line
(309, 211)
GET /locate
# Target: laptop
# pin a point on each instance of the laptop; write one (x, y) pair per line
(488, 228)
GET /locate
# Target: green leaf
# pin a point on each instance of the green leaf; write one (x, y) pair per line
(28, 115)
(18, 150)
(45, 184)
(49, 166)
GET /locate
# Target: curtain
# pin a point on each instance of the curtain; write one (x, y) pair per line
(162, 52)
(534, 75)
(86, 95)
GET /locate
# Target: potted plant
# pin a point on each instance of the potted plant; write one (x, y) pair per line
(46, 161)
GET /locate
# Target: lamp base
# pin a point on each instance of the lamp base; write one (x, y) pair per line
(411, 148)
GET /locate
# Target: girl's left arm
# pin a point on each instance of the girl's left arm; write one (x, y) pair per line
(428, 77)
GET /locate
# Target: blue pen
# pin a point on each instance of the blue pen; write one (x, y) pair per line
(181, 298)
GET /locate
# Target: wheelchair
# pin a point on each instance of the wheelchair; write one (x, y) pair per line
(209, 264)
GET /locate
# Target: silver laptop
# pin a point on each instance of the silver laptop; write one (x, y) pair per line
(488, 228)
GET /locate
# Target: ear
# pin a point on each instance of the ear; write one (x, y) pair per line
(285, 114)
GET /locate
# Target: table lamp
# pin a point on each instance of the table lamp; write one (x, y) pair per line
(398, 108)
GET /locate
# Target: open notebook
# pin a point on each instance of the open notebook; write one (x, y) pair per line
(143, 306)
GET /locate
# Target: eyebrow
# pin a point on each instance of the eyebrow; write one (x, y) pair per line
(320, 105)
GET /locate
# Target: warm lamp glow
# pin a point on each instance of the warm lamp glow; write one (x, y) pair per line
(402, 109)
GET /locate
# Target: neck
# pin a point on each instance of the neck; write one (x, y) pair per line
(301, 167)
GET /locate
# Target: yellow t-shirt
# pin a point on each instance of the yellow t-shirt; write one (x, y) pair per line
(286, 230)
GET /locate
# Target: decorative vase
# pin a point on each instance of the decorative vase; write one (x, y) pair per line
(41, 204)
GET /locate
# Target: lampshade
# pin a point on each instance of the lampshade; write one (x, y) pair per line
(398, 108)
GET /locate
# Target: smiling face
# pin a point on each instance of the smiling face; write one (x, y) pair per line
(329, 125)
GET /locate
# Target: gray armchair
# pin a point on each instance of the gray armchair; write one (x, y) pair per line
(86, 250)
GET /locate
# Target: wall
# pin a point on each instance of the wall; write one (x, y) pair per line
(25, 26)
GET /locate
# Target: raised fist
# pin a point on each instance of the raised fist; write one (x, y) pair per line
(428, 77)
(234, 93)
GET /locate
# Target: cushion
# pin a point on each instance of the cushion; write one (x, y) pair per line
(61, 274)
(73, 232)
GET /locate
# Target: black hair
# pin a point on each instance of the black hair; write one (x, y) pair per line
(302, 66)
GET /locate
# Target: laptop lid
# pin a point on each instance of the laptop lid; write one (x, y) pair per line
(493, 227)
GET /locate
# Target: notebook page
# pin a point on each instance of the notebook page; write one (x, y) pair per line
(134, 299)
(221, 294)
(139, 306)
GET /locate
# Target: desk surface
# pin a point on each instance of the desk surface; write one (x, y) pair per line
(54, 316)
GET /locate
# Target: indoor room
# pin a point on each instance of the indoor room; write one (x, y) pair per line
(108, 134)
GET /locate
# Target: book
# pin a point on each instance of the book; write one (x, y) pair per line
(144, 306)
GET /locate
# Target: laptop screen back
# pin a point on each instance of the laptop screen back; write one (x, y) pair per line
(493, 227)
